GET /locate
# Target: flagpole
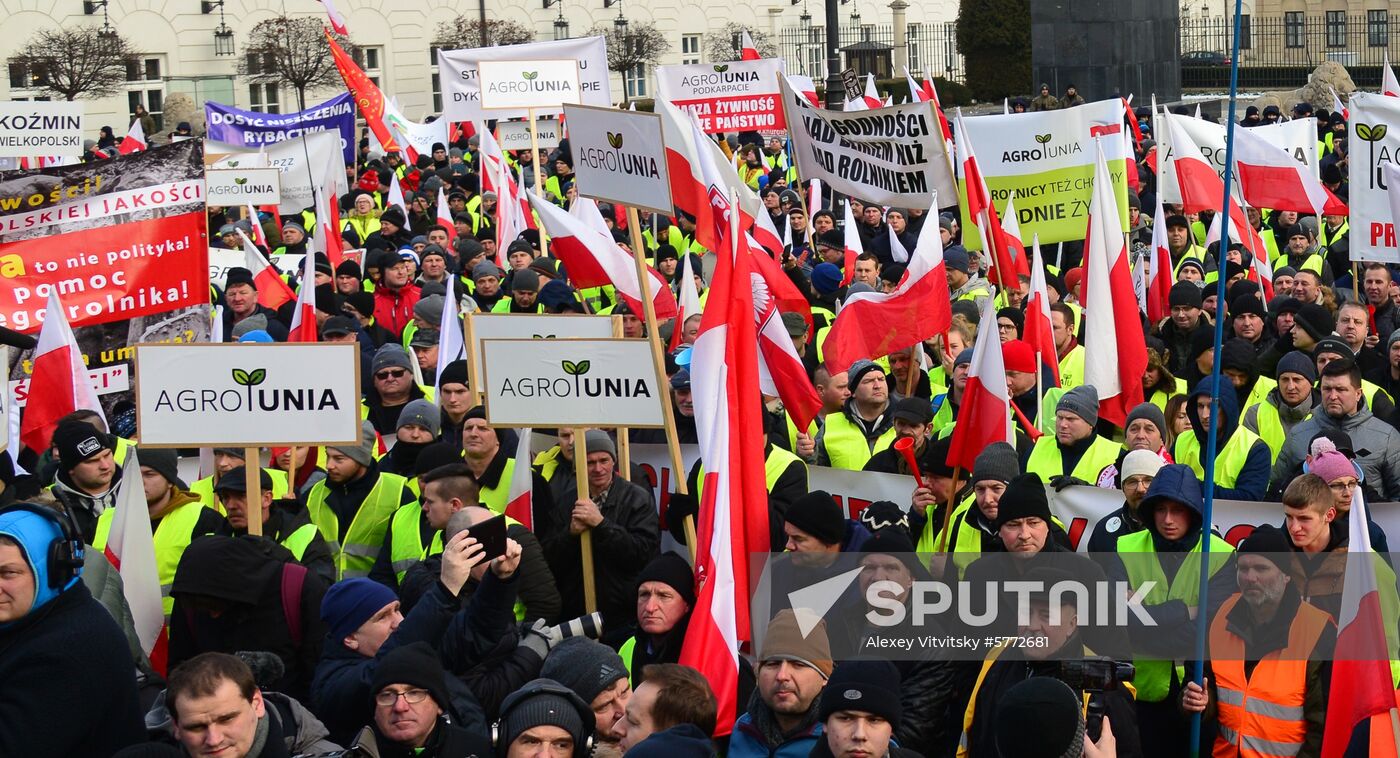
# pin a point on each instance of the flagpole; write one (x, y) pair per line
(624, 445)
(948, 512)
(585, 538)
(1202, 595)
(535, 148)
(252, 467)
(668, 415)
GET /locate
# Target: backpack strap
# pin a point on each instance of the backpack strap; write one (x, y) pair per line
(293, 578)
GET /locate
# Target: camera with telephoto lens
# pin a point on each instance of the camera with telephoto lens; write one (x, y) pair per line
(1095, 675)
(590, 626)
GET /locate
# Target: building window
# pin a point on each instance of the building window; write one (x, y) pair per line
(147, 89)
(1245, 36)
(814, 52)
(24, 76)
(690, 49)
(152, 99)
(1336, 28)
(915, 49)
(370, 59)
(265, 98)
(1377, 28)
(636, 81)
(1293, 29)
(437, 79)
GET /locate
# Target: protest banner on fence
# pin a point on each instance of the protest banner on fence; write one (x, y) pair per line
(515, 135)
(1373, 138)
(619, 157)
(889, 156)
(326, 169)
(243, 186)
(571, 383)
(33, 128)
(737, 96)
(142, 217)
(1298, 137)
(1045, 160)
(1080, 508)
(461, 85)
(235, 126)
(248, 395)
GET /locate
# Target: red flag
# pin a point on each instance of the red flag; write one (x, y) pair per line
(733, 513)
(689, 304)
(1271, 178)
(444, 215)
(259, 236)
(1258, 268)
(59, 382)
(748, 51)
(1361, 681)
(131, 549)
(1160, 277)
(1115, 350)
(1201, 188)
(1389, 86)
(273, 292)
(134, 141)
(594, 260)
(781, 373)
(1039, 332)
(688, 188)
(368, 97)
(304, 317)
(790, 299)
(328, 218)
(872, 324)
(337, 20)
(521, 505)
(985, 414)
(981, 212)
(1010, 241)
(854, 248)
(1132, 121)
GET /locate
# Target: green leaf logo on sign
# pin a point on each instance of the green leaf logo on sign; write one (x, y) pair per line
(1371, 135)
(233, 164)
(615, 140)
(529, 75)
(1042, 138)
(720, 69)
(240, 180)
(576, 369)
(252, 378)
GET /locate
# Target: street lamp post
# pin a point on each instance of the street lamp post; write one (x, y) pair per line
(835, 92)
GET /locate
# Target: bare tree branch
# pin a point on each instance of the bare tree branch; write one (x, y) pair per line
(720, 45)
(636, 44)
(77, 62)
(294, 51)
(464, 31)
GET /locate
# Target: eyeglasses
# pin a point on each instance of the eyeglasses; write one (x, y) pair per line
(386, 698)
(390, 374)
(1343, 487)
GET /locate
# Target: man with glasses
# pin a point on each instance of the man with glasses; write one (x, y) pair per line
(411, 703)
(1345, 412)
(393, 388)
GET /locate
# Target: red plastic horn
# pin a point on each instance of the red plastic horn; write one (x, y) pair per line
(905, 447)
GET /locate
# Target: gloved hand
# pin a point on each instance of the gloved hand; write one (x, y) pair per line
(679, 507)
(536, 637)
(1061, 482)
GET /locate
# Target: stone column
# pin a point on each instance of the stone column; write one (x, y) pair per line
(774, 16)
(901, 37)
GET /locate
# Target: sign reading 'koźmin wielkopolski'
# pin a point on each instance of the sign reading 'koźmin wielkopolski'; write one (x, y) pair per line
(571, 383)
(241, 395)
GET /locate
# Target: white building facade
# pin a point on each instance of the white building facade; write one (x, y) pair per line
(176, 42)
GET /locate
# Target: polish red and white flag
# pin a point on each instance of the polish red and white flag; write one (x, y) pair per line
(58, 369)
(273, 292)
(134, 141)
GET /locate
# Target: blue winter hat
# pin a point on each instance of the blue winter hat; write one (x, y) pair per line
(826, 278)
(349, 604)
(34, 533)
(257, 335)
